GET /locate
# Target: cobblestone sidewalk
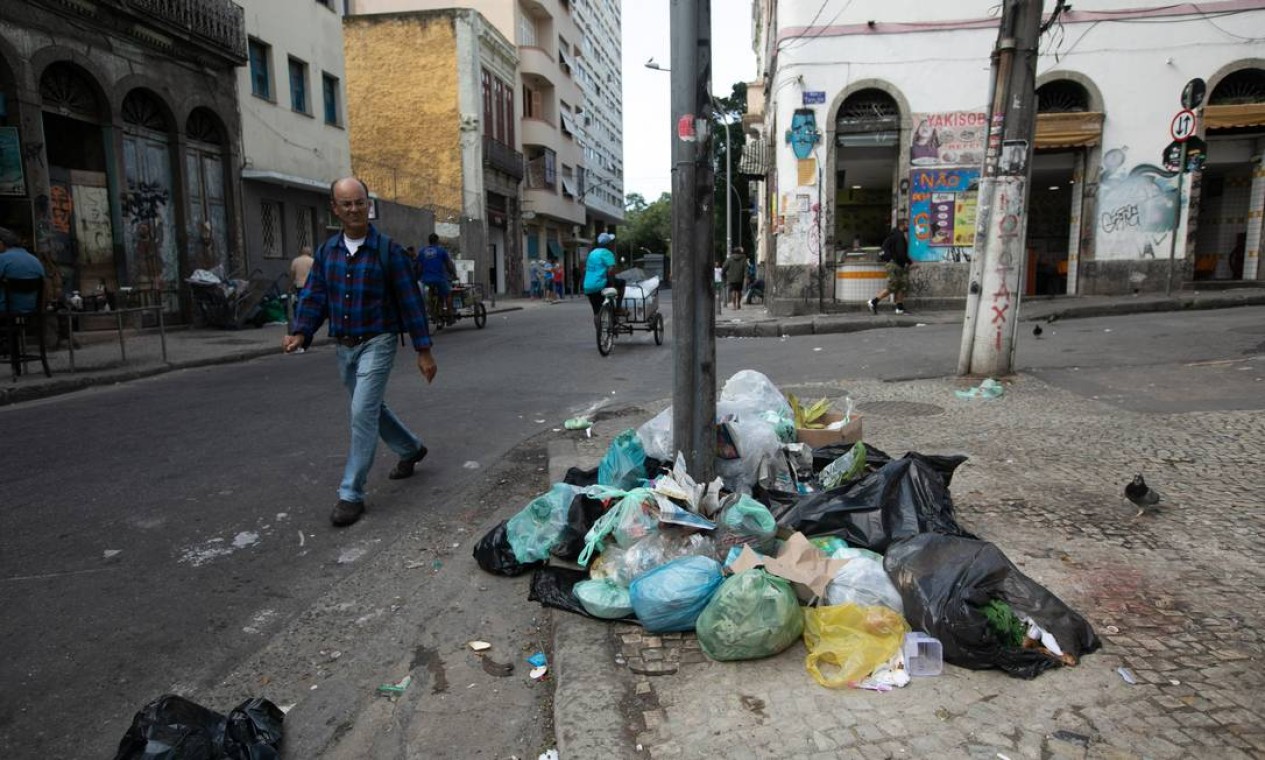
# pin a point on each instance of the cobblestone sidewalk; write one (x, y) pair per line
(1175, 598)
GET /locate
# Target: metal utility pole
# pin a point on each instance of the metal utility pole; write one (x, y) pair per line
(996, 282)
(694, 360)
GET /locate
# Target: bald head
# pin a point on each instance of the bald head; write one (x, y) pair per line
(349, 200)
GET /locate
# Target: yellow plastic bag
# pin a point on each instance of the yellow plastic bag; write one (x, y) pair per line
(847, 642)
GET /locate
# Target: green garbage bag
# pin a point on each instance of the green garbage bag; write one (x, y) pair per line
(604, 598)
(539, 526)
(743, 520)
(624, 465)
(752, 615)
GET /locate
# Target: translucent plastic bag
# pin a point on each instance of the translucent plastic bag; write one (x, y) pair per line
(659, 549)
(756, 441)
(624, 465)
(754, 393)
(656, 436)
(752, 615)
(863, 581)
(847, 642)
(845, 468)
(638, 517)
(538, 527)
(672, 596)
(604, 599)
(743, 520)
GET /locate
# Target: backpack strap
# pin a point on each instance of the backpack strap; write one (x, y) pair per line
(384, 258)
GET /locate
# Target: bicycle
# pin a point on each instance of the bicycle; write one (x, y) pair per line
(467, 303)
(641, 312)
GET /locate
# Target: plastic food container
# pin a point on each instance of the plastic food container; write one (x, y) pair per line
(924, 656)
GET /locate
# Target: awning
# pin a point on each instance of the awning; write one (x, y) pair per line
(569, 124)
(555, 248)
(1068, 130)
(754, 160)
(1237, 115)
(568, 187)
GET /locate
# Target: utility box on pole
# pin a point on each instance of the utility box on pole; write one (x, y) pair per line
(996, 282)
(693, 321)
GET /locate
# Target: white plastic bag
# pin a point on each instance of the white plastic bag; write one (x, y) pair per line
(864, 582)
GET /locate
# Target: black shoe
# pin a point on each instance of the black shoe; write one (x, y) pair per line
(404, 468)
(346, 512)
(873, 304)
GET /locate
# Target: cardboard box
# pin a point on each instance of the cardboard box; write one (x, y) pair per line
(816, 437)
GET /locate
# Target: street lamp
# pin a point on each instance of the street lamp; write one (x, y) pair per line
(729, 242)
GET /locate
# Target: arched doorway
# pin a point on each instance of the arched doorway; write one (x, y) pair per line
(208, 206)
(1228, 237)
(1068, 128)
(867, 160)
(149, 233)
(15, 206)
(74, 223)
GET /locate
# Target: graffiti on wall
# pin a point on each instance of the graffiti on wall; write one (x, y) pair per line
(92, 224)
(942, 208)
(1137, 209)
(146, 212)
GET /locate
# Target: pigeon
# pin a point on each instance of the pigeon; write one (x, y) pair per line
(1142, 496)
(1036, 331)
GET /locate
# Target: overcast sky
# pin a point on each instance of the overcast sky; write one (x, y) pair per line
(647, 93)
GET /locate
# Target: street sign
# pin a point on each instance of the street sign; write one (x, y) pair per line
(1193, 93)
(813, 97)
(1183, 125)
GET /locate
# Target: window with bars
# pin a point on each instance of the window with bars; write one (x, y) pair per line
(329, 87)
(270, 229)
(303, 217)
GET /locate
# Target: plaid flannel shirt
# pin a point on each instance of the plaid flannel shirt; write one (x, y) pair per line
(350, 291)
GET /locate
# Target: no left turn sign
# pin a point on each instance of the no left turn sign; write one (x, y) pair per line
(1183, 125)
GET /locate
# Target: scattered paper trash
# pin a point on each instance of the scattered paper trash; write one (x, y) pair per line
(538, 673)
(987, 390)
(399, 687)
(553, 754)
(578, 423)
(471, 465)
(1127, 675)
(479, 646)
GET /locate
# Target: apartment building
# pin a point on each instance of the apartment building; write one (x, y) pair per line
(599, 118)
(878, 109)
(294, 126)
(120, 143)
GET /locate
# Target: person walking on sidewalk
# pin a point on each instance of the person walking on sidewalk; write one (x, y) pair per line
(896, 255)
(735, 271)
(300, 266)
(364, 284)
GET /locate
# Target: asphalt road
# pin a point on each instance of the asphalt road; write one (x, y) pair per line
(171, 534)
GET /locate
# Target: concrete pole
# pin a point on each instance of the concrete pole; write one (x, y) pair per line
(729, 225)
(694, 357)
(992, 307)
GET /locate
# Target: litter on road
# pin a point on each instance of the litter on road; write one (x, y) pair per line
(807, 534)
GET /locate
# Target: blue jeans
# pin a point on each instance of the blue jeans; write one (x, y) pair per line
(365, 370)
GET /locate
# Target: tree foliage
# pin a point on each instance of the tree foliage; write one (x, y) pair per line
(730, 110)
(647, 226)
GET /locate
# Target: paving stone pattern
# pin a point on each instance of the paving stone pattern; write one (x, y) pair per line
(1175, 598)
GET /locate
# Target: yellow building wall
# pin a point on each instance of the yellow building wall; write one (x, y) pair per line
(402, 108)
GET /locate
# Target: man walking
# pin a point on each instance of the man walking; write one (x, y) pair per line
(735, 271)
(364, 284)
(896, 254)
(300, 266)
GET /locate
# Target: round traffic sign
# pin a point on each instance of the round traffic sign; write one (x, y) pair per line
(1193, 93)
(1183, 125)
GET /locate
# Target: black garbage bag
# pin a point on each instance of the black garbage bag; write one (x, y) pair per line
(876, 459)
(905, 497)
(946, 581)
(552, 587)
(174, 728)
(581, 515)
(495, 555)
(578, 477)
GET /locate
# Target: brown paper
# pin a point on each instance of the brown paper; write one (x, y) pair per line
(746, 560)
(804, 565)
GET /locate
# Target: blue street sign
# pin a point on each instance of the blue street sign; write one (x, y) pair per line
(812, 97)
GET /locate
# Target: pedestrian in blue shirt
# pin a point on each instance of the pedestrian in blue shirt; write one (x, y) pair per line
(17, 263)
(364, 284)
(436, 270)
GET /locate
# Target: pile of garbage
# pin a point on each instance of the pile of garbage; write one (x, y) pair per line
(854, 552)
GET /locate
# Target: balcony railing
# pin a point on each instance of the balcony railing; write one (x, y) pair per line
(221, 23)
(502, 157)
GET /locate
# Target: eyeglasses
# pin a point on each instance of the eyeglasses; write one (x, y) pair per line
(349, 205)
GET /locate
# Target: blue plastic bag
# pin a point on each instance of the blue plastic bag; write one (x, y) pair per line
(539, 525)
(672, 596)
(624, 465)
